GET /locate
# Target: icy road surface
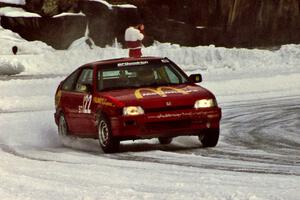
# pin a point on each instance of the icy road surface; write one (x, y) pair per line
(257, 156)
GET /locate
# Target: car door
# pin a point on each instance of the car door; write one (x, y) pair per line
(80, 118)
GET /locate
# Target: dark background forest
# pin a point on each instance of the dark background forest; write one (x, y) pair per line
(228, 23)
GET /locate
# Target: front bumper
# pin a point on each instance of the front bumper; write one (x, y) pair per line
(166, 124)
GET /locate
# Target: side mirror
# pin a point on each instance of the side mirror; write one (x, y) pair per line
(195, 78)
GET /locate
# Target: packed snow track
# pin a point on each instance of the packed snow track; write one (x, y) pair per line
(257, 136)
(251, 141)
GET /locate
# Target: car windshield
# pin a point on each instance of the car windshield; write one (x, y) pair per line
(145, 75)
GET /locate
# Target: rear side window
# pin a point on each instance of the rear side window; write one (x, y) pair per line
(85, 78)
(69, 83)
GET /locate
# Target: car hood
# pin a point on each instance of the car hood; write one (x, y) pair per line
(183, 95)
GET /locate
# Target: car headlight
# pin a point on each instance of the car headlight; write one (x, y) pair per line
(133, 110)
(205, 103)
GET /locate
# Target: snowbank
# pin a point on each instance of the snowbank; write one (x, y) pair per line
(16, 12)
(214, 62)
(10, 63)
(10, 67)
(20, 2)
(8, 39)
(223, 60)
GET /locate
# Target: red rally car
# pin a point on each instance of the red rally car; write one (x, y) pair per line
(135, 98)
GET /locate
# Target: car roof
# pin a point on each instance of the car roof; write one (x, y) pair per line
(123, 60)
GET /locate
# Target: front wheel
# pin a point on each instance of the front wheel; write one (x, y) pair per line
(210, 137)
(108, 143)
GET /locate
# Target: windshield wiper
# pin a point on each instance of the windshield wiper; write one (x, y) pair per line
(169, 84)
(164, 84)
(155, 84)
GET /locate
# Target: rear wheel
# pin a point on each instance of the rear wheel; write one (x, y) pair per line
(210, 137)
(62, 126)
(108, 143)
(165, 140)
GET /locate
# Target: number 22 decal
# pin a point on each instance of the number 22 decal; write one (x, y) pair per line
(86, 104)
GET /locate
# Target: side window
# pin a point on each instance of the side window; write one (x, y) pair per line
(69, 83)
(172, 76)
(161, 75)
(85, 78)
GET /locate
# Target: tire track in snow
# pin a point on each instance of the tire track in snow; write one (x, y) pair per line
(10, 150)
(177, 160)
(237, 150)
(214, 164)
(261, 136)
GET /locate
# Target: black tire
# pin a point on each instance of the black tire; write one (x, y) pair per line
(165, 140)
(108, 143)
(210, 137)
(63, 129)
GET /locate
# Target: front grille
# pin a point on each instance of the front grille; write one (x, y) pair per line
(167, 108)
(168, 125)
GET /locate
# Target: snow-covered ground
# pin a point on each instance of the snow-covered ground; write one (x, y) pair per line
(21, 2)
(257, 157)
